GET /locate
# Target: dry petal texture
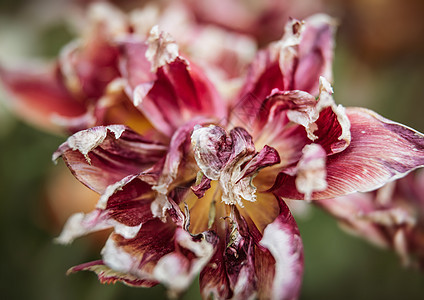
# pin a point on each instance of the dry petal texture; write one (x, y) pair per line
(391, 217)
(86, 86)
(82, 86)
(165, 86)
(203, 190)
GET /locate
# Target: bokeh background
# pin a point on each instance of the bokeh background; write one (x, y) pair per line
(379, 63)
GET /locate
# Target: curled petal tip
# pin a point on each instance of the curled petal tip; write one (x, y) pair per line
(325, 86)
(162, 48)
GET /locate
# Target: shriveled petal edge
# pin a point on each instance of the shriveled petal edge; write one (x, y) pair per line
(175, 268)
(86, 140)
(404, 152)
(283, 241)
(108, 276)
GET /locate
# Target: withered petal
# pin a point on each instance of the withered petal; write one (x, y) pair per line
(103, 155)
(296, 62)
(166, 88)
(108, 276)
(161, 252)
(41, 96)
(380, 151)
(123, 207)
(282, 239)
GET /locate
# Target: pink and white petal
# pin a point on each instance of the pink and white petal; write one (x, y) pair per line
(389, 217)
(108, 276)
(239, 170)
(268, 156)
(211, 149)
(215, 282)
(177, 160)
(315, 53)
(265, 272)
(296, 62)
(287, 51)
(181, 93)
(283, 123)
(311, 171)
(175, 270)
(101, 156)
(40, 96)
(332, 123)
(325, 123)
(247, 267)
(177, 92)
(135, 67)
(380, 151)
(129, 202)
(160, 252)
(263, 76)
(89, 66)
(349, 211)
(230, 273)
(200, 189)
(124, 206)
(290, 120)
(213, 278)
(281, 238)
(81, 224)
(91, 63)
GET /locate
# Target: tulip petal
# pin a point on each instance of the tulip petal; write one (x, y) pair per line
(91, 63)
(101, 156)
(40, 97)
(171, 91)
(135, 67)
(124, 207)
(390, 217)
(380, 151)
(231, 159)
(211, 149)
(315, 53)
(291, 120)
(296, 62)
(160, 252)
(108, 276)
(247, 267)
(177, 160)
(311, 172)
(230, 272)
(89, 67)
(281, 238)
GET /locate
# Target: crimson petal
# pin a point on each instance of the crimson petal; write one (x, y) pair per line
(168, 89)
(380, 151)
(281, 238)
(160, 252)
(103, 155)
(244, 266)
(296, 62)
(107, 275)
(125, 206)
(40, 97)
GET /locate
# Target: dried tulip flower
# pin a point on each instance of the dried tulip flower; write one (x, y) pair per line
(205, 192)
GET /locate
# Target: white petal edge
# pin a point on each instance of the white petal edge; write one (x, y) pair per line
(279, 241)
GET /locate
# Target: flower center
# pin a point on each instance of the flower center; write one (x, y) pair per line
(231, 160)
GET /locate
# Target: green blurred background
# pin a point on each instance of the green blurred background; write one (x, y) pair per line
(383, 76)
